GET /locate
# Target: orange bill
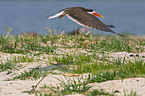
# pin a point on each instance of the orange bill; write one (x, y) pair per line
(97, 14)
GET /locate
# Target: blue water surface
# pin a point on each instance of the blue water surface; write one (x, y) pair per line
(127, 16)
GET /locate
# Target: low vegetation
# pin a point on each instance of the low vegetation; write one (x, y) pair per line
(81, 54)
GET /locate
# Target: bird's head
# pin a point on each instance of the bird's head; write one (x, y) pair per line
(92, 12)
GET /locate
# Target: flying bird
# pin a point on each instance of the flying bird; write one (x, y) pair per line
(84, 17)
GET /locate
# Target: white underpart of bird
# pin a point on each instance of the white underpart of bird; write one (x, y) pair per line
(75, 20)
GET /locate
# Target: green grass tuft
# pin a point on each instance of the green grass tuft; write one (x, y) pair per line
(80, 54)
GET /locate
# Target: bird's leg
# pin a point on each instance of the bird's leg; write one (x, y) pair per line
(62, 16)
(76, 34)
(75, 31)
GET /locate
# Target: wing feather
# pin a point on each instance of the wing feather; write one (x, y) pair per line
(56, 15)
(85, 19)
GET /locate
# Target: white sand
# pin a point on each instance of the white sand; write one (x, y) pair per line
(16, 87)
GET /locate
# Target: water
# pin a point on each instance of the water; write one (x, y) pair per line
(128, 17)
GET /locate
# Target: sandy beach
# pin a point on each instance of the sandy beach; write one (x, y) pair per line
(117, 87)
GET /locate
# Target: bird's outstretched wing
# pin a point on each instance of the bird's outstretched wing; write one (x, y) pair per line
(85, 19)
(56, 15)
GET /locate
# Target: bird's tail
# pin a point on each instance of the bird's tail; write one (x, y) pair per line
(56, 15)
